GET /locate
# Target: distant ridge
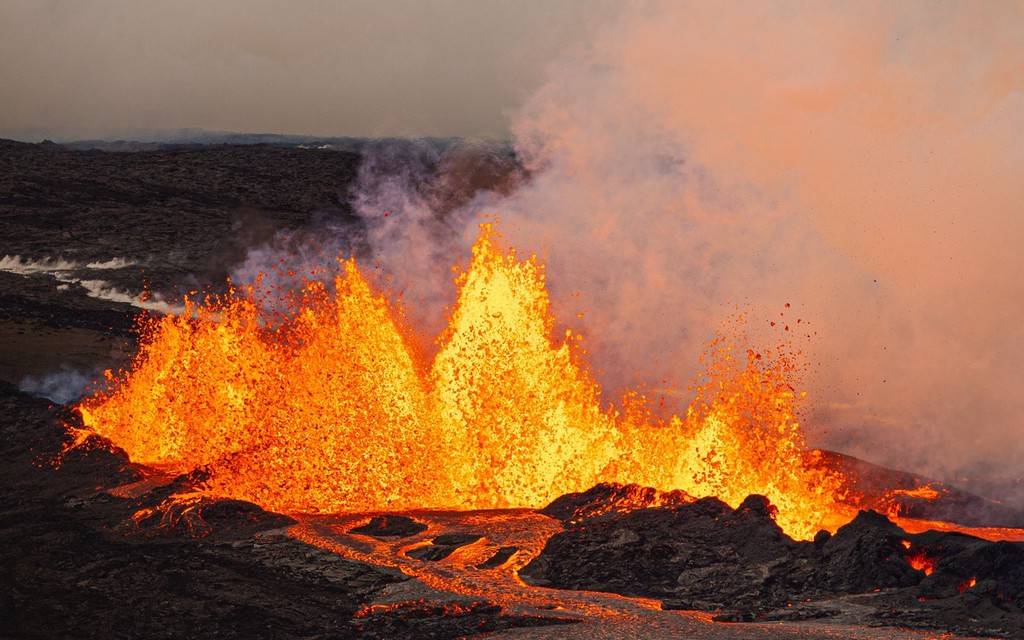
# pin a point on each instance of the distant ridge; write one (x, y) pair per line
(153, 140)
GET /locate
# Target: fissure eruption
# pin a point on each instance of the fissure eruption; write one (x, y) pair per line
(328, 406)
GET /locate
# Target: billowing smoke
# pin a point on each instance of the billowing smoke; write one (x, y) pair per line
(858, 161)
(409, 211)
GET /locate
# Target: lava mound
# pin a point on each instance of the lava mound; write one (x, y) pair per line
(610, 498)
(390, 526)
(706, 555)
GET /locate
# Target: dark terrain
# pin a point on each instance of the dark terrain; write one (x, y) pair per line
(82, 556)
(705, 555)
(179, 219)
(76, 564)
(183, 211)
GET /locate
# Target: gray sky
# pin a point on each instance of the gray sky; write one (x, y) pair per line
(400, 67)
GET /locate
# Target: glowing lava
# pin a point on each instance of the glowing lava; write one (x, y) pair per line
(327, 407)
(921, 561)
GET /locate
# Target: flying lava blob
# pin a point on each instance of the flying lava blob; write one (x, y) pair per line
(327, 407)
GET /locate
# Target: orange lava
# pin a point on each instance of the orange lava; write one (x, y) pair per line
(890, 502)
(926, 492)
(966, 584)
(446, 608)
(994, 534)
(921, 561)
(328, 408)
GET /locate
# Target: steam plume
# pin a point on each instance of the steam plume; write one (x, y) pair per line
(860, 162)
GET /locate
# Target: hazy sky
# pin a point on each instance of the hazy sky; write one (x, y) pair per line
(401, 67)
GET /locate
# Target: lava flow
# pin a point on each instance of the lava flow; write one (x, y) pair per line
(328, 408)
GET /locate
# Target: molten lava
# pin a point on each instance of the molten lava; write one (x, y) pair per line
(328, 408)
(966, 584)
(920, 560)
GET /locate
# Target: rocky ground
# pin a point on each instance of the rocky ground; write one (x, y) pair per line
(77, 564)
(189, 211)
(84, 232)
(705, 555)
(90, 547)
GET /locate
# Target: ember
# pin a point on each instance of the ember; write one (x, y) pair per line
(966, 584)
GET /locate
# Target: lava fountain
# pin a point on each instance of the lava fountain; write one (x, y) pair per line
(327, 406)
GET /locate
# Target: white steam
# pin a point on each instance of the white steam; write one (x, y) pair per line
(861, 161)
(68, 273)
(57, 266)
(858, 161)
(68, 384)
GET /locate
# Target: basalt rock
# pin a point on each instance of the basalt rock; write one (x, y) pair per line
(865, 554)
(500, 557)
(702, 555)
(434, 621)
(442, 546)
(76, 565)
(611, 498)
(739, 563)
(390, 526)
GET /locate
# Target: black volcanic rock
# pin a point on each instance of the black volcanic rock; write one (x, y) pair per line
(608, 497)
(442, 546)
(75, 564)
(699, 555)
(500, 557)
(219, 519)
(706, 555)
(867, 553)
(427, 621)
(390, 526)
(70, 571)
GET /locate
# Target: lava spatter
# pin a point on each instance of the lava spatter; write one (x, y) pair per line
(326, 408)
